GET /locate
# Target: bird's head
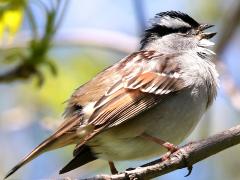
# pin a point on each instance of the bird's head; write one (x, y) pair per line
(176, 31)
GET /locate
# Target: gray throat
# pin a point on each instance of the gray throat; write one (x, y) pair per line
(198, 68)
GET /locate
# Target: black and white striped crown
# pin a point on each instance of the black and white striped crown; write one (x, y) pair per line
(168, 22)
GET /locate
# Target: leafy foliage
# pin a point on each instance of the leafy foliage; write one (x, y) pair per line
(38, 47)
(11, 16)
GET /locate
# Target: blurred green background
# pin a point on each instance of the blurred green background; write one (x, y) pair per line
(65, 43)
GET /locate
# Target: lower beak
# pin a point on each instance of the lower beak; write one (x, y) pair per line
(207, 35)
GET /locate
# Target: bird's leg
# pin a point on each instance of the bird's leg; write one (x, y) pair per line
(112, 167)
(169, 146)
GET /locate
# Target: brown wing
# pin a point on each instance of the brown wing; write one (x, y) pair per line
(137, 83)
(147, 78)
(141, 81)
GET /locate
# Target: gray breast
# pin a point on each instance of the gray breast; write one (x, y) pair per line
(169, 121)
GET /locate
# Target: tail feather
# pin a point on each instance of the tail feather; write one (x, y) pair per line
(84, 156)
(65, 135)
(36, 152)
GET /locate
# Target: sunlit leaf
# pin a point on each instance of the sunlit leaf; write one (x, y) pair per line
(1, 28)
(12, 20)
(11, 17)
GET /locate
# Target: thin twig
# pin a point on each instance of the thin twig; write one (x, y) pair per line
(187, 155)
(38, 50)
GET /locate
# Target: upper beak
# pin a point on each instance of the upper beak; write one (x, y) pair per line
(208, 35)
(203, 27)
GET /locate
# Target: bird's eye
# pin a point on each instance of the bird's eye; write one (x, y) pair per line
(77, 108)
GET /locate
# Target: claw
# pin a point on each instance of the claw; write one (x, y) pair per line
(189, 168)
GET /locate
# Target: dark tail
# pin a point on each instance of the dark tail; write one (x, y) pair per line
(83, 156)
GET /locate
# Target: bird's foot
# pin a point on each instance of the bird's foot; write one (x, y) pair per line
(180, 154)
(171, 149)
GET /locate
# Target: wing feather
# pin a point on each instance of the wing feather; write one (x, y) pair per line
(143, 80)
(146, 79)
(143, 85)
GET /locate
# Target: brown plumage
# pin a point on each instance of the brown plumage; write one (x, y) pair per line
(154, 95)
(120, 93)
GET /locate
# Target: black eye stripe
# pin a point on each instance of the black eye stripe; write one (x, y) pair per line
(160, 31)
(163, 30)
(183, 29)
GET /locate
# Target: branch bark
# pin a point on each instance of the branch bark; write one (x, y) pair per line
(187, 155)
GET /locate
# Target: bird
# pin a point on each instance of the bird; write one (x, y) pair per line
(145, 104)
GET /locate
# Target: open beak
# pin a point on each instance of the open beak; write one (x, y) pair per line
(207, 35)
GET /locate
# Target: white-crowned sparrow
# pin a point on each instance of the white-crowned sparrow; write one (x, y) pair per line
(132, 109)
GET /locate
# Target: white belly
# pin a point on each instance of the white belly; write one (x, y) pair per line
(168, 120)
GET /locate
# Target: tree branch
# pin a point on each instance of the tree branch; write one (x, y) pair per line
(188, 154)
(38, 48)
